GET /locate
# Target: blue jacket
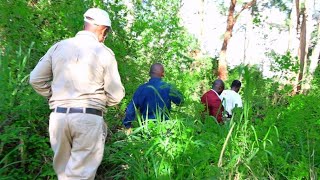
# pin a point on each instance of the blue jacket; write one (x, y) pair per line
(150, 99)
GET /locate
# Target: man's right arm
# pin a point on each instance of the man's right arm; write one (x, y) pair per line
(41, 75)
(130, 115)
(133, 106)
(112, 84)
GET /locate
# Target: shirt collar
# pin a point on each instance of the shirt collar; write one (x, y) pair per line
(216, 93)
(88, 34)
(155, 79)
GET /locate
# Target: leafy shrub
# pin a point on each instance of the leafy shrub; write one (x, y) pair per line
(24, 142)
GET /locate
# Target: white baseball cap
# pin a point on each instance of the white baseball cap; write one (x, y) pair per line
(97, 16)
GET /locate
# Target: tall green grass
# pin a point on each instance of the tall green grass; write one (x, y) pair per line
(24, 147)
(264, 140)
(193, 147)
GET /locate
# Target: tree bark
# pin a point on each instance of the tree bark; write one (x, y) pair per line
(315, 53)
(293, 45)
(296, 6)
(298, 13)
(232, 18)
(314, 60)
(302, 53)
(222, 67)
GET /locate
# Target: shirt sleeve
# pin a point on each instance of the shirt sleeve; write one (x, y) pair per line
(133, 106)
(41, 75)
(112, 84)
(204, 100)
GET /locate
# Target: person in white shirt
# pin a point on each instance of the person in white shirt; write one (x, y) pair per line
(231, 98)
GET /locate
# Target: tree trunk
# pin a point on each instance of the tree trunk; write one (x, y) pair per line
(298, 13)
(314, 60)
(293, 45)
(302, 54)
(222, 67)
(295, 51)
(315, 53)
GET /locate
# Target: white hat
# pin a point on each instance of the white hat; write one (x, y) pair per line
(97, 16)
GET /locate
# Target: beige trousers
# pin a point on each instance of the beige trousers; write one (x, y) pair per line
(77, 140)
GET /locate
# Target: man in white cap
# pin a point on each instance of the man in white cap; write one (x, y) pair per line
(79, 77)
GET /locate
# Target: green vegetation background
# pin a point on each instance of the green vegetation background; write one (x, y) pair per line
(276, 136)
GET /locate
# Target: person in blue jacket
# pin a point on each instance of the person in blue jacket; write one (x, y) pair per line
(153, 99)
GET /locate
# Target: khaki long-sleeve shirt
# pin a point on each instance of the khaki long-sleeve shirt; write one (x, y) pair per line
(78, 72)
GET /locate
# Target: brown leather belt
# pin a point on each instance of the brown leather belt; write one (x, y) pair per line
(78, 110)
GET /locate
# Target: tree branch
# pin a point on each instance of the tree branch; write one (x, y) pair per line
(244, 7)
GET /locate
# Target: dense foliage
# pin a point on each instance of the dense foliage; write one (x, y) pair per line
(275, 136)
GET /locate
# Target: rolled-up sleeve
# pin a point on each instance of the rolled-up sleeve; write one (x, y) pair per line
(112, 84)
(41, 75)
(130, 114)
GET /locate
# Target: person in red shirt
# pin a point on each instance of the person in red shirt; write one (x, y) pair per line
(212, 100)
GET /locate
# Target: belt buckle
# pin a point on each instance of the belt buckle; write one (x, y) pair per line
(76, 110)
